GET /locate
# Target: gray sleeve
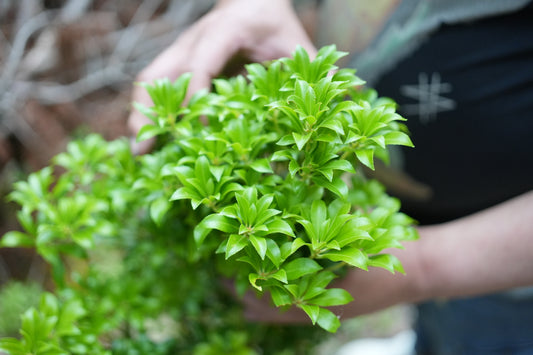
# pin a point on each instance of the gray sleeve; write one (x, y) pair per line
(413, 21)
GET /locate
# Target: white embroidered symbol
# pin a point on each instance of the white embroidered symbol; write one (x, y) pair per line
(428, 94)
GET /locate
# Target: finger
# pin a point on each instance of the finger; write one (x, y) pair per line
(210, 57)
(168, 64)
(193, 53)
(259, 309)
(283, 38)
(157, 69)
(299, 35)
(296, 35)
(204, 59)
(183, 53)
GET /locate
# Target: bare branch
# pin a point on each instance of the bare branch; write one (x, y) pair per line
(129, 39)
(27, 9)
(35, 24)
(111, 57)
(52, 93)
(20, 128)
(74, 9)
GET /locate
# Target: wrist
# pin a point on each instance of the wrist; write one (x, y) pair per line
(427, 278)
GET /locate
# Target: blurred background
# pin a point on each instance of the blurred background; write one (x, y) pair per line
(67, 68)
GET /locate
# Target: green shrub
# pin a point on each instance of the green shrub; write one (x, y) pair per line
(15, 298)
(260, 181)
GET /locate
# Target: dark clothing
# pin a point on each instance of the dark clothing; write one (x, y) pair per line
(467, 93)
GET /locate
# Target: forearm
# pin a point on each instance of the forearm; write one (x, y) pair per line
(486, 252)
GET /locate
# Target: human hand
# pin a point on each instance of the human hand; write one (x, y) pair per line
(260, 309)
(372, 290)
(233, 31)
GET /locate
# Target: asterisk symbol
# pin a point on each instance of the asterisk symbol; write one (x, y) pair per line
(428, 94)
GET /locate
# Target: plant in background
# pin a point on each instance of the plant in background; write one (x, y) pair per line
(260, 181)
(15, 298)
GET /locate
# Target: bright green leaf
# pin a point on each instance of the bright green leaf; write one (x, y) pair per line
(260, 245)
(261, 166)
(149, 131)
(311, 311)
(328, 320)
(300, 267)
(300, 139)
(235, 244)
(158, 208)
(398, 138)
(16, 239)
(332, 297)
(366, 157)
(12, 346)
(387, 262)
(273, 252)
(278, 225)
(280, 275)
(351, 256)
(252, 278)
(280, 297)
(214, 221)
(297, 244)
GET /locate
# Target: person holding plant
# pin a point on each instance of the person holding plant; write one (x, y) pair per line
(461, 73)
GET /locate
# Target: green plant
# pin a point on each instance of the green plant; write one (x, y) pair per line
(260, 181)
(15, 298)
